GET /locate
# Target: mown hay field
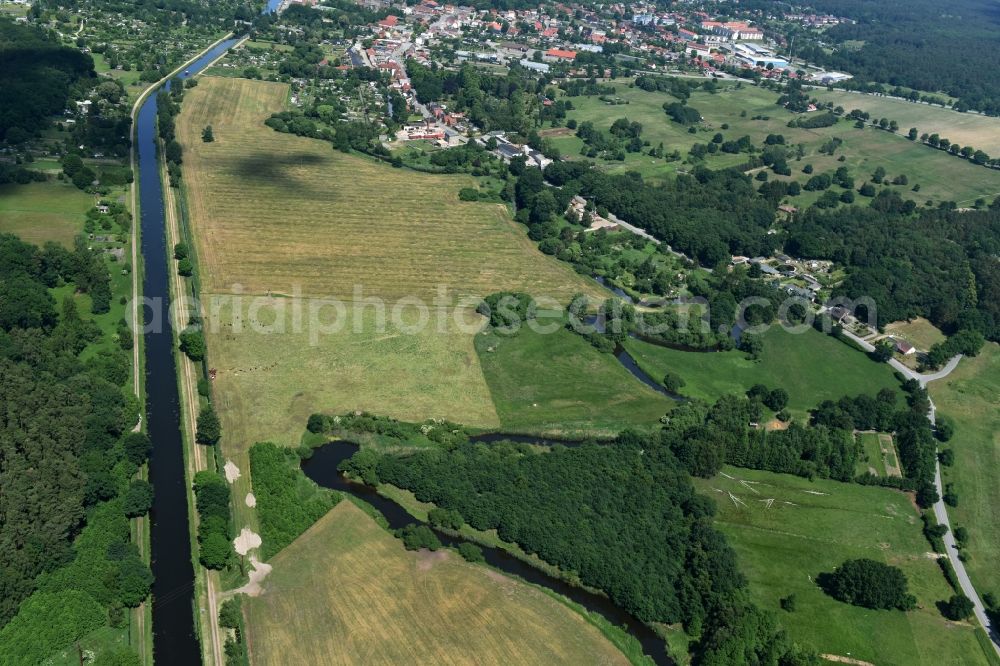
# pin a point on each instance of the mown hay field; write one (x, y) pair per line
(346, 592)
(267, 384)
(289, 219)
(275, 212)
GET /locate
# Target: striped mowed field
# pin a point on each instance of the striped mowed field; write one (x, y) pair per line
(288, 218)
(346, 592)
(274, 212)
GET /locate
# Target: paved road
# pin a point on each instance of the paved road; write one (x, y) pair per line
(940, 510)
(941, 514)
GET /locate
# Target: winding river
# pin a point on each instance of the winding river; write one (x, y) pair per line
(322, 468)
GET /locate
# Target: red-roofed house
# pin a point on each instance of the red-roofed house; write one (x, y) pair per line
(389, 21)
(560, 54)
(550, 32)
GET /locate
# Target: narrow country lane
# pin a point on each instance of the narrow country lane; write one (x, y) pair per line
(940, 509)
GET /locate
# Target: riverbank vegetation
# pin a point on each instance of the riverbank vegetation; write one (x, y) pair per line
(652, 528)
(347, 581)
(287, 502)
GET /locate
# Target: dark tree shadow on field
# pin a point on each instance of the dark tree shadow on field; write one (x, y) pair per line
(825, 581)
(260, 167)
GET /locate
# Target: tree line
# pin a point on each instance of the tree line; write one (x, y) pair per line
(912, 45)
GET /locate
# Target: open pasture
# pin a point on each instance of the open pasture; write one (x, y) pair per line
(41, 212)
(787, 530)
(558, 383)
(811, 367)
(941, 176)
(970, 396)
(346, 592)
(275, 212)
(966, 129)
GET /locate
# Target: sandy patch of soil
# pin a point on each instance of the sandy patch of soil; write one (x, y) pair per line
(232, 471)
(257, 575)
(246, 541)
(251, 500)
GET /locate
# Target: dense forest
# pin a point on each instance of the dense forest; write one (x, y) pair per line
(939, 264)
(624, 518)
(67, 458)
(37, 76)
(708, 215)
(920, 44)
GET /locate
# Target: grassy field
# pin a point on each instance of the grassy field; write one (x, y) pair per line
(812, 367)
(940, 176)
(810, 528)
(558, 383)
(267, 385)
(971, 397)
(966, 129)
(275, 212)
(919, 332)
(870, 446)
(40, 212)
(347, 592)
(881, 454)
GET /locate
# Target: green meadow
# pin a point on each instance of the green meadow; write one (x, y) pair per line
(970, 397)
(810, 366)
(41, 212)
(558, 383)
(940, 176)
(787, 530)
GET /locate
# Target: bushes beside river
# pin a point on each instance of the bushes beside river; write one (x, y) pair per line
(287, 502)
